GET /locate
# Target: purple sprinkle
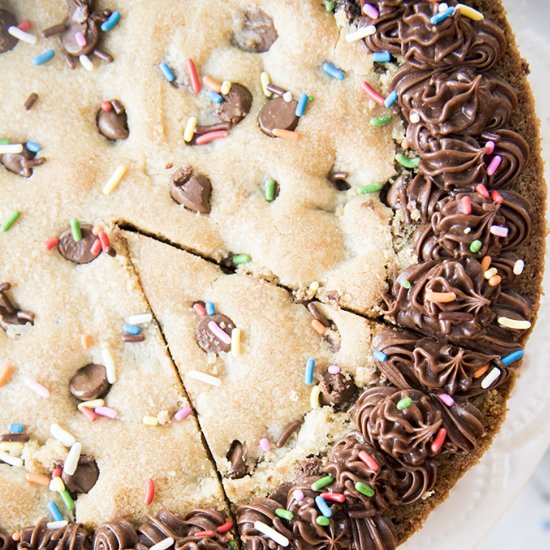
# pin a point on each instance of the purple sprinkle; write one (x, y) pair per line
(499, 230)
(183, 413)
(490, 147)
(371, 11)
(446, 399)
(493, 165)
(299, 495)
(265, 445)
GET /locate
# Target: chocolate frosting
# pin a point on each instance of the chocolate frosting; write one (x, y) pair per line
(372, 533)
(115, 535)
(7, 41)
(80, 251)
(10, 314)
(6, 542)
(71, 537)
(22, 163)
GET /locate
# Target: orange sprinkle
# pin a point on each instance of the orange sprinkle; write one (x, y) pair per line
(405, 144)
(96, 229)
(443, 297)
(16, 536)
(285, 134)
(209, 82)
(318, 327)
(486, 263)
(86, 341)
(38, 479)
(481, 371)
(5, 374)
(495, 281)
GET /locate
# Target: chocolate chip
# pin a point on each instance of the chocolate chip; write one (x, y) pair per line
(338, 179)
(10, 314)
(258, 32)
(207, 340)
(89, 382)
(235, 105)
(336, 390)
(278, 113)
(30, 101)
(192, 191)
(84, 477)
(19, 438)
(89, 29)
(287, 433)
(7, 41)
(316, 314)
(113, 124)
(22, 163)
(237, 457)
(78, 252)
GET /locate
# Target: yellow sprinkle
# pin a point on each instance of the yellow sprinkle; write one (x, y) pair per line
(265, 79)
(514, 324)
(150, 420)
(225, 87)
(57, 485)
(313, 288)
(12, 447)
(467, 11)
(91, 404)
(314, 397)
(490, 273)
(189, 132)
(114, 181)
(236, 348)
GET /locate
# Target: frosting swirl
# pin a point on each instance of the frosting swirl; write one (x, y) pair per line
(376, 533)
(6, 542)
(71, 537)
(115, 535)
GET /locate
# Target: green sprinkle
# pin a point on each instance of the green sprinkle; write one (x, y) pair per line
(364, 489)
(406, 161)
(369, 188)
(233, 545)
(378, 121)
(240, 259)
(4, 141)
(75, 229)
(323, 521)
(406, 284)
(404, 403)
(311, 98)
(322, 483)
(475, 247)
(285, 514)
(6, 226)
(329, 6)
(67, 500)
(269, 192)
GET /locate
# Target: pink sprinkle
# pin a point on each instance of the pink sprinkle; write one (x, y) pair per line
(493, 165)
(439, 440)
(446, 399)
(499, 230)
(482, 190)
(299, 495)
(497, 197)
(199, 309)
(106, 412)
(333, 369)
(80, 39)
(211, 136)
(183, 413)
(25, 25)
(37, 388)
(466, 205)
(372, 93)
(95, 249)
(193, 76)
(52, 243)
(371, 11)
(369, 460)
(219, 333)
(265, 445)
(490, 147)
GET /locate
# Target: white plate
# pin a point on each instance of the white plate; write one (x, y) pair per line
(482, 496)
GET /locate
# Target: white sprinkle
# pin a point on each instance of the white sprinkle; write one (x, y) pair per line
(271, 533)
(163, 544)
(443, 6)
(57, 524)
(197, 375)
(71, 462)
(109, 364)
(490, 378)
(86, 62)
(414, 117)
(141, 319)
(518, 267)
(114, 181)
(11, 460)
(360, 33)
(514, 324)
(37, 388)
(287, 96)
(62, 435)
(11, 148)
(22, 35)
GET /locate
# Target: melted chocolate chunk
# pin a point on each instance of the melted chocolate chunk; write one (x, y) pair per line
(10, 314)
(7, 41)
(237, 457)
(192, 191)
(84, 477)
(78, 252)
(278, 113)
(235, 105)
(22, 163)
(89, 382)
(20, 438)
(113, 124)
(257, 34)
(338, 179)
(207, 340)
(336, 390)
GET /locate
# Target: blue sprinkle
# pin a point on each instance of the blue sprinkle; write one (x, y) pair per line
(442, 15)
(310, 367)
(210, 308)
(54, 511)
(511, 357)
(214, 97)
(333, 71)
(33, 146)
(380, 356)
(545, 524)
(15, 428)
(324, 508)
(167, 72)
(43, 57)
(114, 18)
(131, 329)
(390, 100)
(302, 103)
(381, 57)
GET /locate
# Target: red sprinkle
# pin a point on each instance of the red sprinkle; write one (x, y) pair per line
(466, 205)
(208, 533)
(496, 197)
(96, 247)
(369, 461)
(52, 243)
(439, 440)
(211, 136)
(25, 25)
(334, 497)
(193, 76)
(225, 527)
(88, 413)
(372, 93)
(106, 106)
(149, 491)
(199, 309)
(482, 190)
(57, 472)
(103, 237)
